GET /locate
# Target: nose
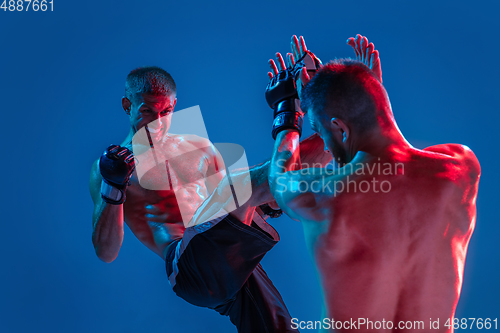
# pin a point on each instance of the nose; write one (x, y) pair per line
(157, 123)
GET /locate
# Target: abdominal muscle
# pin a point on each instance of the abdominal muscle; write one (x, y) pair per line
(156, 217)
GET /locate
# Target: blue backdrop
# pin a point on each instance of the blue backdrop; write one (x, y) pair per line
(62, 78)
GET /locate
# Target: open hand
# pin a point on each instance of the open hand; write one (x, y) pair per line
(366, 53)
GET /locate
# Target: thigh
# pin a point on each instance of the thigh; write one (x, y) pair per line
(214, 260)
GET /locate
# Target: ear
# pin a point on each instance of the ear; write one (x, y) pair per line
(126, 104)
(339, 125)
(175, 102)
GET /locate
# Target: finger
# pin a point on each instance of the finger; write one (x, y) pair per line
(129, 158)
(156, 219)
(358, 47)
(369, 52)
(352, 42)
(375, 58)
(296, 47)
(364, 45)
(304, 77)
(377, 69)
(372, 60)
(292, 48)
(290, 59)
(270, 75)
(151, 209)
(122, 152)
(303, 47)
(281, 61)
(273, 67)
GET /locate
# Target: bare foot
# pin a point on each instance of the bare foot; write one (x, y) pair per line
(367, 54)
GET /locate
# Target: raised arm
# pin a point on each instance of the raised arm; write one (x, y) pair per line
(282, 96)
(255, 180)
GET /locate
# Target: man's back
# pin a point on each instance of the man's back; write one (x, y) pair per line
(391, 246)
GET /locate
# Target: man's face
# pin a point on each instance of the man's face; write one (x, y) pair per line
(333, 141)
(155, 112)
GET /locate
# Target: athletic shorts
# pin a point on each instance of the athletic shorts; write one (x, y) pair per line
(216, 265)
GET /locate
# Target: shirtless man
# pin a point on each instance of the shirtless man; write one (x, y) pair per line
(200, 260)
(389, 229)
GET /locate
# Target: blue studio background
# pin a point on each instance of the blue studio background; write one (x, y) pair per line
(62, 78)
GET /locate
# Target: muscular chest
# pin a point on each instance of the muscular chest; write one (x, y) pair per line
(164, 171)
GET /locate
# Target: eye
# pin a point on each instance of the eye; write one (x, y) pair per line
(165, 112)
(146, 110)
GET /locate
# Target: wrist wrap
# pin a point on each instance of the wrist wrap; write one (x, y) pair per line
(111, 194)
(287, 115)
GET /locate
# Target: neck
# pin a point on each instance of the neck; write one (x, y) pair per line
(128, 138)
(381, 141)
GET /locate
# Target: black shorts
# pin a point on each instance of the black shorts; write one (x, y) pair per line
(216, 265)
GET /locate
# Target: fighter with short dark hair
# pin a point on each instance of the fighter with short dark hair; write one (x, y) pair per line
(213, 263)
(388, 230)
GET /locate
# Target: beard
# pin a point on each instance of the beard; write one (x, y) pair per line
(339, 153)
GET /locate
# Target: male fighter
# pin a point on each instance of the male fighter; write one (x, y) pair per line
(389, 229)
(213, 264)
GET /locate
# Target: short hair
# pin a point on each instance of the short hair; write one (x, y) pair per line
(346, 89)
(149, 80)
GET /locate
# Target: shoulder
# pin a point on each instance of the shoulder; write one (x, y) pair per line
(194, 140)
(460, 160)
(450, 149)
(199, 143)
(459, 155)
(189, 143)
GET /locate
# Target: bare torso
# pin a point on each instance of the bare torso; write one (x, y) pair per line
(159, 200)
(395, 256)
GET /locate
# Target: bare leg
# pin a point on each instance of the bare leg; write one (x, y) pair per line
(366, 53)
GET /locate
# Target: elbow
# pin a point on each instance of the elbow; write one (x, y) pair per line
(107, 260)
(105, 256)
(104, 253)
(278, 184)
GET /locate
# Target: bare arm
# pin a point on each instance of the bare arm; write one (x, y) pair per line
(216, 169)
(285, 158)
(107, 221)
(312, 154)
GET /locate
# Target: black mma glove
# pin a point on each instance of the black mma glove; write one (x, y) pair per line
(310, 62)
(116, 166)
(281, 95)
